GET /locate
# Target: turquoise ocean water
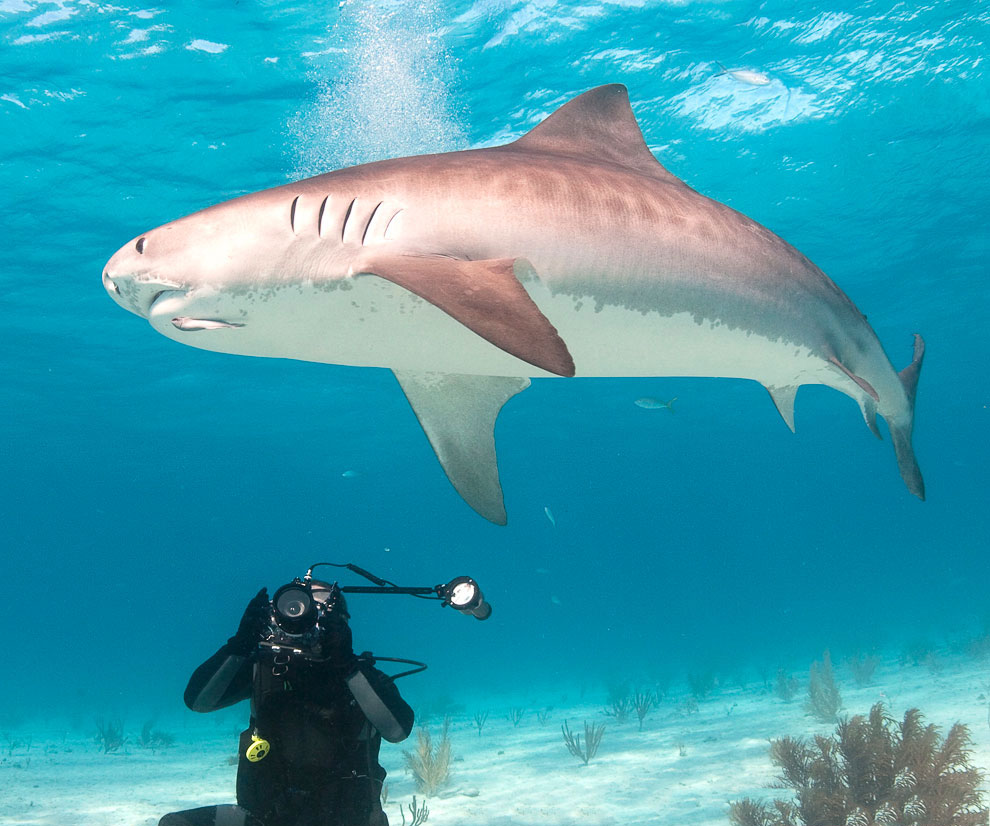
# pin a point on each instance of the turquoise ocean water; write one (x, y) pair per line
(149, 489)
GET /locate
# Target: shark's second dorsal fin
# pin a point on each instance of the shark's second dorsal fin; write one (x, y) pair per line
(600, 125)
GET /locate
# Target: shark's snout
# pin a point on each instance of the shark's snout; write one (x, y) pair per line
(129, 283)
(109, 285)
(122, 290)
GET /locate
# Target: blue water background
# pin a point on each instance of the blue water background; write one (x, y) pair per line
(149, 489)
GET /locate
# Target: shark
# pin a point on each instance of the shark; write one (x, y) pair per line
(569, 252)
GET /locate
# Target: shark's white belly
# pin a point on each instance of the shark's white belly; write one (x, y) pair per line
(366, 321)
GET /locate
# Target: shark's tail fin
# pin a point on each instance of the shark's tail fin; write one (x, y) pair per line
(900, 430)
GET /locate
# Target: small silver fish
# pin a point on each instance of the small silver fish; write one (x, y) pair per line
(349, 474)
(192, 325)
(650, 403)
(549, 514)
(747, 76)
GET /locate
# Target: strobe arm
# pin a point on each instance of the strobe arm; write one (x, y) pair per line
(462, 593)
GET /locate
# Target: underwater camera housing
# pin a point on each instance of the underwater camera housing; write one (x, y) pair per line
(302, 609)
(304, 605)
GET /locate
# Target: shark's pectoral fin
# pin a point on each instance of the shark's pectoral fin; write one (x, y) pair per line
(783, 399)
(487, 297)
(458, 414)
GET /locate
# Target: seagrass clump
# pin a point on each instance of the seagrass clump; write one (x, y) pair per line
(430, 761)
(874, 771)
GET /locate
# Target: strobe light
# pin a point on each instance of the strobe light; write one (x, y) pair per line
(464, 595)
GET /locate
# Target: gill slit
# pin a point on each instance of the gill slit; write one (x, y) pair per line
(371, 218)
(389, 224)
(292, 213)
(343, 226)
(319, 220)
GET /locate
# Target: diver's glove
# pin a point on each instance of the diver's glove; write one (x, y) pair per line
(252, 626)
(338, 646)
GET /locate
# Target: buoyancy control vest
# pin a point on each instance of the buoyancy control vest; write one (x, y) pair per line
(322, 766)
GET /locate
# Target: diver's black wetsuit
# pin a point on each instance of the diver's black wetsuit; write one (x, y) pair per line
(324, 723)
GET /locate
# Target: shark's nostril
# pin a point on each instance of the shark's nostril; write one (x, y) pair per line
(109, 283)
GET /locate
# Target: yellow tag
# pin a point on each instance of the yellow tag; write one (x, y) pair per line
(258, 750)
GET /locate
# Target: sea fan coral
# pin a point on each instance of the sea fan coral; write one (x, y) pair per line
(824, 700)
(430, 762)
(873, 771)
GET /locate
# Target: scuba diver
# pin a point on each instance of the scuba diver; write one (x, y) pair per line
(318, 714)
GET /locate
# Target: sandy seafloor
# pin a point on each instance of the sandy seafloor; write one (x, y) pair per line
(681, 769)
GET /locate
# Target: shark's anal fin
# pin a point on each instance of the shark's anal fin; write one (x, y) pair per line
(487, 297)
(458, 414)
(783, 399)
(869, 408)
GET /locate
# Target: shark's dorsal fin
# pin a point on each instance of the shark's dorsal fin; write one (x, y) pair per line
(599, 125)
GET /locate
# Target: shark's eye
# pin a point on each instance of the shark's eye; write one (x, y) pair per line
(139, 246)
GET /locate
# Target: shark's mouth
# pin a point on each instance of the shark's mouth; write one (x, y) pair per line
(162, 298)
(166, 308)
(135, 294)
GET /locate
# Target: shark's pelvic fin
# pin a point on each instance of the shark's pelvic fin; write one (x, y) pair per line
(458, 414)
(863, 383)
(598, 125)
(487, 297)
(783, 399)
